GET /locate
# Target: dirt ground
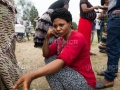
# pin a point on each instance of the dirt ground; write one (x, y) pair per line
(31, 58)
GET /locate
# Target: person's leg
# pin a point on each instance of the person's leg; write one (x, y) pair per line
(113, 46)
(66, 79)
(98, 35)
(27, 34)
(113, 51)
(52, 80)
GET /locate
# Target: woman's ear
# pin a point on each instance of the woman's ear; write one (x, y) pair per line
(70, 24)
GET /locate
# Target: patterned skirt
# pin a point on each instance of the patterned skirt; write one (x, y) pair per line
(9, 70)
(66, 79)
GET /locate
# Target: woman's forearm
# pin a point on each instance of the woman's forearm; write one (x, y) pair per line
(116, 11)
(50, 68)
(45, 47)
(89, 9)
(85, 9)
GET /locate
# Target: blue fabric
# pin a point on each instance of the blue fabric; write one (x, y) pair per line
(113, 5)
(113, 46)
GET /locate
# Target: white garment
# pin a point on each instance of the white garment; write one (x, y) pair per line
(97, 26)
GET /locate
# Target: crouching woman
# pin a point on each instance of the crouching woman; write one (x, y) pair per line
(71, 68)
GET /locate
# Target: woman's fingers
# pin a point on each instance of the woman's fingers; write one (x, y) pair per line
(25, 86)
(17, 83)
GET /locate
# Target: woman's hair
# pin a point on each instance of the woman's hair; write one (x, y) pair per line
(102, 2)
(61, 13)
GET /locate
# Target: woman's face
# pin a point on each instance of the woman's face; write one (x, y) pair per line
(61, 27)
(106, 1)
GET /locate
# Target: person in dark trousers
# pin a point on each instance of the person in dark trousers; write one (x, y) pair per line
(112, 45)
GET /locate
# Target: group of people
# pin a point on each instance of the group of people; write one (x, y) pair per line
(67, 52)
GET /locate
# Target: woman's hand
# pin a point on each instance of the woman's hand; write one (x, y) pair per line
(50, 33)
(96, 7)
(116, 11)
(25, 80)
(103, 7)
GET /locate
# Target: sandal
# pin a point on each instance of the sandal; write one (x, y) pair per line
(102, 73)
(101, 85)
(92, 54)
(102, 51)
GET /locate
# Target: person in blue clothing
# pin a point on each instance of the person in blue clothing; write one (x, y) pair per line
(112, 45)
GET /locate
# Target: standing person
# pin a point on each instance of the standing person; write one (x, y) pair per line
(28, 31)
(71, 69)
(9, 70)
(112, 45)
(44, 23)
(85, 24)
(103, 18)
(97, 27)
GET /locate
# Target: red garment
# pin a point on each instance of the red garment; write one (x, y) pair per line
(85, 28)
(75, 54)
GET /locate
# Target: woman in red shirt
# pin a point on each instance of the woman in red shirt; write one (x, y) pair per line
(71, 68)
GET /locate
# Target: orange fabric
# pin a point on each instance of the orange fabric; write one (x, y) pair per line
(85, 28)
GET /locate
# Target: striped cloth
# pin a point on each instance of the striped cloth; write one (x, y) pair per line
(44, 23)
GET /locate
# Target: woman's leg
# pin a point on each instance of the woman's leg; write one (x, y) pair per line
(67, 79)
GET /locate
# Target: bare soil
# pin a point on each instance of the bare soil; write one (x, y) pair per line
(31, 58)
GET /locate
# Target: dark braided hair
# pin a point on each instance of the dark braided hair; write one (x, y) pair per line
(61, 13)
(102, 2)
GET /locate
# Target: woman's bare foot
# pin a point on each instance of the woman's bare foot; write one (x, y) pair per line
(92, 53)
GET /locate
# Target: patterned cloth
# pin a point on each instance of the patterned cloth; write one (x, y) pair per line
(102, 46)
(66, 79)
(44, 23)
(9, 70)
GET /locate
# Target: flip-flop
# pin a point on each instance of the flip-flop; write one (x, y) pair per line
(102, 73)
(101, 85)
(93, 54)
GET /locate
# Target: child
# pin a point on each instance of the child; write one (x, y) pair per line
(71, 69)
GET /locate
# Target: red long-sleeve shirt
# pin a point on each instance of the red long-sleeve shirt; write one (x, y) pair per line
(76, 55)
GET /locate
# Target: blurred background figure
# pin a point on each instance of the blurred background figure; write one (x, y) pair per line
(28, 31)
(85, 22)
(36, 20)
(97, 27)
(103, 26)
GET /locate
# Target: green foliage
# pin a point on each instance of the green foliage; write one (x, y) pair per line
(33, 14)
(74, 25)
(23, 8)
